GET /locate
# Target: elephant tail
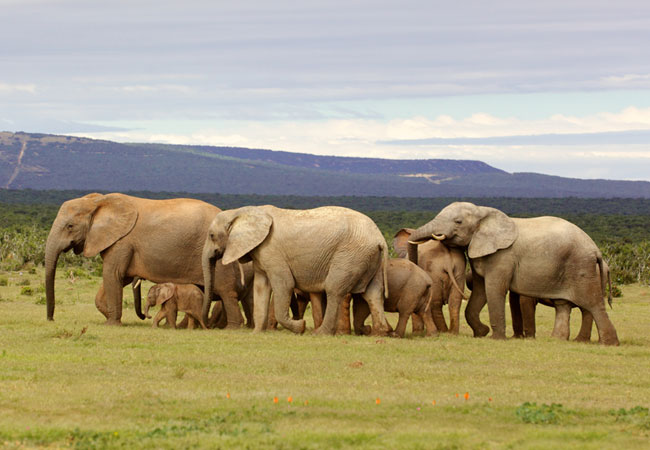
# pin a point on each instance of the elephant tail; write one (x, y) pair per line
(427, 307)
(449, 270)
(605, 278)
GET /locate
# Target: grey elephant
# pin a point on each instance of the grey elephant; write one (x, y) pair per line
(329, 249)
(541, 257)
(156, 240)
(410, 291)
(446, 267)
(173, 298)
(298, 306)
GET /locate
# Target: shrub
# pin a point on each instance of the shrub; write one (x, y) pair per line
(544, 414)
(4, 281)
(27, 290)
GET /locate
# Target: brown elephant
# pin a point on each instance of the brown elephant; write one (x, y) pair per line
(446, 267)
(410, 291)
(156, 240)
(329, 249)
(540, 257)
(172, 298)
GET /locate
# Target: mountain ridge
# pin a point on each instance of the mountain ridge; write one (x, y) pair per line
(43, 161)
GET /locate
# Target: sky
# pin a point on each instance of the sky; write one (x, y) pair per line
(555, 87)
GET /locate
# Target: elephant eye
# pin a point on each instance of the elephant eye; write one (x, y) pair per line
(69, 226)
(458, 221)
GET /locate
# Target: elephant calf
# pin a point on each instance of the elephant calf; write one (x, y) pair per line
(410, 290)
(172, 298)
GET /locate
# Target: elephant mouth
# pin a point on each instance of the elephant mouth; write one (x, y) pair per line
(439, 237)
(76, 248)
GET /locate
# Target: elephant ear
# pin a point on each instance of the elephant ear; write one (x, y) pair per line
(165, 292)
(114, 218)
(495, 231)
(247, 231)
(401, 241)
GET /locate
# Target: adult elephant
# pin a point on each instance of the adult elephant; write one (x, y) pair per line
(156, 240)
(446, 267)
(541, 257)
(329, 249)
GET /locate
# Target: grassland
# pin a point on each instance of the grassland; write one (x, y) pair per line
(76, 383)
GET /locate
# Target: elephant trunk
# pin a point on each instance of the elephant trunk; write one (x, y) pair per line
(146, 311)
(137, 298)
(209, 263)
(52, 252)
(425, 233)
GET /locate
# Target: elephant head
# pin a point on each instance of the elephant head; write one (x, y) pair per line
(232, 235)
(482, 230)
(158, 295)
(87, 225)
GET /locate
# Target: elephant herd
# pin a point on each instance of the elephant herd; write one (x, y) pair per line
(275, 260)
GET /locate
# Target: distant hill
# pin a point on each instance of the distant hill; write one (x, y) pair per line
(42, 162)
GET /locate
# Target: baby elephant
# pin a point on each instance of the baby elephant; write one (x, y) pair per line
(409, 291)
(186, 298)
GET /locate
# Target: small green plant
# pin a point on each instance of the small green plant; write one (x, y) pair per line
(616, 291)
(542, 414)
(24, 282)
(637, 415)
(27, 290)
(40, 300)
(4, 281)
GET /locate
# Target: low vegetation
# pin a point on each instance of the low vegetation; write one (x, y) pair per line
(74, 383)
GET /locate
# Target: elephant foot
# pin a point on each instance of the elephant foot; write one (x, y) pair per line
(394, 334)
(498, 336)
(233, 326)
(582, 338)
(113, 322)
(482, 332)
(381, 332)
(320, 331)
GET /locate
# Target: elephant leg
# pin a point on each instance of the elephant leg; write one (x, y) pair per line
(217, 317)
(282, 295)
(191, 323)
(562, 317)
(360, 312)
(606, 331)
(261, 299)
(515, 313)
(374, 295)
(185, 323)
(475, 304)
(437, 315)
(115, 265)
(233, 313)
(455, 302)
(585, 328)
(528, 307)
(343, 325)
(402, 321)
(331, 317)
(272, 323)
(158, 318)
(417, 324)
(100, 301)
(316, 299)
(426, 317)
(171, 314)
(495, 291)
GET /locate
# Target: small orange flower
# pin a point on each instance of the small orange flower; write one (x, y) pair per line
(227, 394)
(275, 399)
(466, 396)
(457, 394)
(489, 399)
(290, 399)
(306, 403)
(378, 401)
(433, 402)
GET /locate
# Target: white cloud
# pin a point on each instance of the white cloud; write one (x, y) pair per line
(10, 88)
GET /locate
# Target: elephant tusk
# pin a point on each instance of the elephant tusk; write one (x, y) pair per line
(439, 237)
(137, 283)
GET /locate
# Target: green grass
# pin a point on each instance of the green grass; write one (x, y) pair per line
(76, 383)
